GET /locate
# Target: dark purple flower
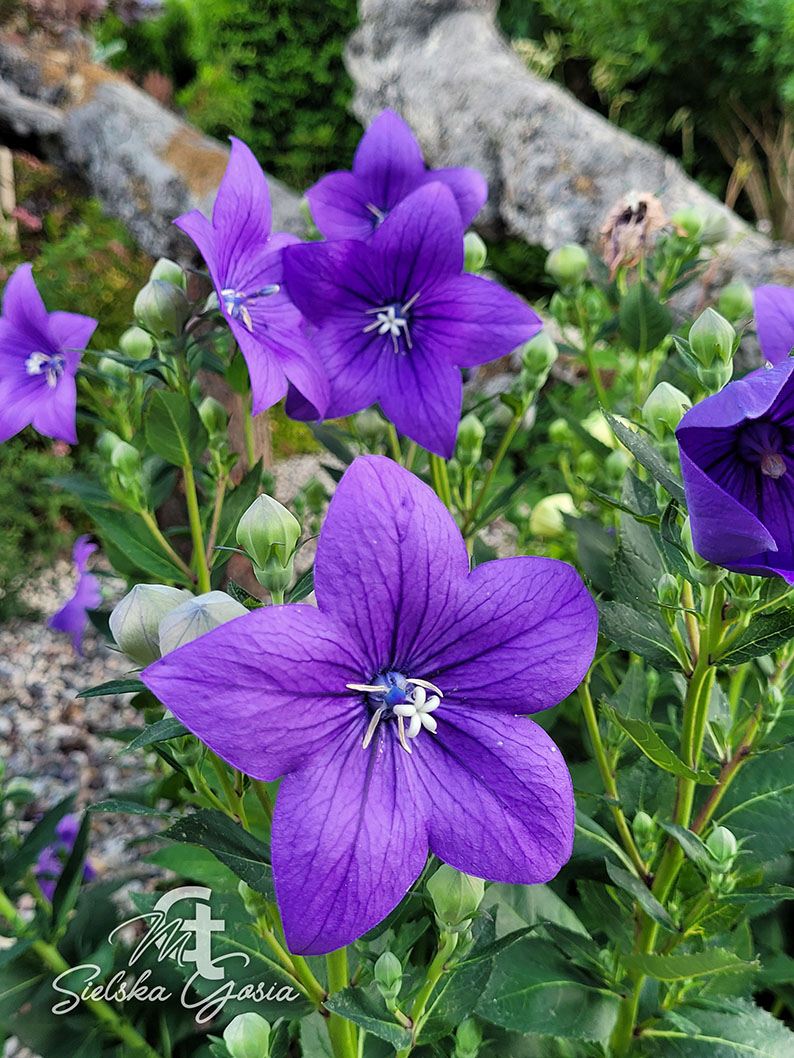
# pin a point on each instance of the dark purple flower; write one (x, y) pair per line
(774, 321)
(387, 166)
(396, 318)
(72, 616)
(244, 261)
(737, 460)
(52, 858)
(395, 710)
(39, 355)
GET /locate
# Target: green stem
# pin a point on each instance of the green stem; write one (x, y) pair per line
(394, 443)
(589, 351)
(233, 799)
(449, 941)
(293, 964)
(177, 559)
(342, 1032)
(438, 470)
(220, 492)
(248, 429)
(199, 552)
(277, 596)
(202, 787)
(507, 440)
(263, 796)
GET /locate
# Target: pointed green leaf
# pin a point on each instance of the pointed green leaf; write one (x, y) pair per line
(642, 894)
(647, 456)
(239, 850)
(683, 967)
(765, 633)
(366, 1009)
(174, 429)
(644, 322)
(640, 633)
(651, 744)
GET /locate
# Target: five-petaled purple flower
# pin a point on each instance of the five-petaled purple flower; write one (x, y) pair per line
(737, 460)
(39, 355)
(51, 860)
(774, 321)
(72, 617)
(387, 166)
(396, 709)
(396, 319)
(244, 261)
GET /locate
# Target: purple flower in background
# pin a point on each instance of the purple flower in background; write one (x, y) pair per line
(39, 355)
(72, 616)
(387, 166)
(737, 461)
(51, 860)
(774, 321)
(244, 261)
(395, 710)
(396, 318)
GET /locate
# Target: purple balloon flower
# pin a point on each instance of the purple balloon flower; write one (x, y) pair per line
(396, 318)
(737, 460)
(387, 166)
(244, 261)
(72, 616)
(395, 710)
(774, 321)
(51, 859)
(39, 355)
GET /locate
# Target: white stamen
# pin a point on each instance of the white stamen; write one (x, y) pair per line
(391, 320)
(413, 713)
(773, 465)
(427, 685)
(43, 363)
(373, 724)
(365, 688)
(234, 302)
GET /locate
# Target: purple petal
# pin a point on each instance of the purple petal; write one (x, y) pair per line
(422, 395)
(83, 548)
(196, 226)
(521, 637)
(71, 332)
(390, 563)
(24, 308)
(339, 204)
(16, 407)
(388, 161)
(469, 187)
(268, 381)
(348, 840)
(332, 279)
(264, 691)
(72, 617)
(747, 398)
(774, 321)
(54, 413)
(355, 364)
(242, 213)
(501, 795)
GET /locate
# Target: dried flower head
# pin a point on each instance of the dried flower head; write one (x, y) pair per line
(628, 227)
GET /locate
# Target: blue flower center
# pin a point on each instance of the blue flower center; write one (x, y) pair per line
(394, 319)
(49, 365)
(764, 444)
(235, 303)
(394, 696)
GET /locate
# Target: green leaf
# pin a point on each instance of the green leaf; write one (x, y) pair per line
(642, 894)
(647, 456)
(84, 487)
(315, 1042)
(529, 905)
(682, 967)
(129, 534)
(304, 587)
(367, 1009)
(239, 850)
(694, 847)
(757, 805)
(128, 808)
(591, 840)
(42, 835)
(598, 448)
(644, 322)
(71, 877)
(594, 550)
(161, 731)
(636, 566)
(174, 429)
(746, 1031)
(334, 440)
(651, 744)
(765, 633)
(129, 686)
(640, 633)
(236, 503)
(196, 865)
(632, 696)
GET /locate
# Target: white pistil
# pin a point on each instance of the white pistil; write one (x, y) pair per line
(234, 301)
(773, 465)
(43, 363)
(418, 711)
(392, 320)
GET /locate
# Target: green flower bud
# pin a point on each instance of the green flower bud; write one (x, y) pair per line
(136, 343)
(744, 590)
(135, 620)
(268, 532)
(710, 337)
(596, 306)
(169, 271)
(247, 1036)
(664, 409)
(315, 493)
(255, 903)
(567, 265)
(113, 369)
(126, 459)
(161, 308)
(370, 427)
(195, 617)
(643, 827)
(700, 570)
(723, 846)
(560, 433)
(455, 896)
(474, 252)
(468, 1039)
(715, 230)
(213, 415)
(617, 463)
(736, 302)
(106, 443)
(716, 377)
(587, 465)
(689, 222)
(668, 590)
(471, 434)
(546, 519)
(538, 356)
(388, 975)
(562, 309)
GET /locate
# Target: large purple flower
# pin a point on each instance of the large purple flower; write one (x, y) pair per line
(396, 318)
(49, 866)
(396, 709)
(387, 166)
(244, 261)
(774, 321)
(737, 460)
(72, 617)
(39, 355)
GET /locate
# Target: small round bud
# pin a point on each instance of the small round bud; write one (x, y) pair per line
(169, 271)
(126, 459)
(664, 409)
(668, 590)
(723, 846)
(538, 356)
(471, 434)
(567, 265)
(247, 1036)
(560, 433)
(546, 519)
(388, 975)
(715, 230)
(113, 369)
(597, 426)
(735, 302)
(711, 337)
(455, 896)
(474, 252)
(689, 222)
(562, 309)
(268, 532)
(161, 308)
(370, 427)
(587, 465)
(135, 620)
(195, 617)
(643, 827)
(468, 1039)
(213, 415)
(596, 306)
(136, 343)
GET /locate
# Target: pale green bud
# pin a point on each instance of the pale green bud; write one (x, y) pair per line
(664, 409)
(617, 463)
(136, 343)
(711, 337)
(268, 532)
(161, 308)
(113, 369)
(468, 1039)
(195, 617)
(471, 434)
(736, 302)
(106, 443)
(247, 1036)
(126, 459)
(723, 846)
(567, 265)
(169, 271)
(370, 427)
(455, 897)
(562, 309)
(213, 415)
(546, 519)
(560, 433)
(388, 975)
(715, 230)
(474, 252)
(716, 377)
(668, 590)
(643, 827)
(135, 620)
(538, 356)
(689, 222)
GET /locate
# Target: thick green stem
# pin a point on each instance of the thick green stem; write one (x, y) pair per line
(438, 470)
(199, 552)
(589, 356)
(248, 429)
(151, 521)
(394, 443)
(342, 1032)
(263, 796)
(220, 492)
(507, 440)
(449, 941)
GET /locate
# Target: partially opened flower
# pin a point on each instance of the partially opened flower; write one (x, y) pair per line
(737, 461)
(396, 709)
(774, 321)
(72, 617)
(39, 355)
(396, 318)
(387, 166)
(244, 261)
(50, 864)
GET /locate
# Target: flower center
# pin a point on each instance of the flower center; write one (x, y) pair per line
(391, 695)
(763, 443)
(44, 364)
(393, 319)
(378, 214)
(235, 303)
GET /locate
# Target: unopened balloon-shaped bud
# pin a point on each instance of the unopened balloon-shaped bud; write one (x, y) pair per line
(664, 409)
(213, 415)
(538, 356)
(474, 252)
(247, 1036)
(735, 302)
(113, 369)
(668, 589)
(255, 903)
(161, 308)
(547, 519)
(135, 342)
(195, 617)
(170, 271)
(643, 827)
(716, 377)
(106, 442)
(597, 426)
(370, 427)
(135, 621)
(455, 897)
(567, 265)
(268, 532)
(471, 434)
(711, 338)
(468, 1039)
(388, 975)
(723, 846)
(689, 222)
(126, 459)
(715, 230)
